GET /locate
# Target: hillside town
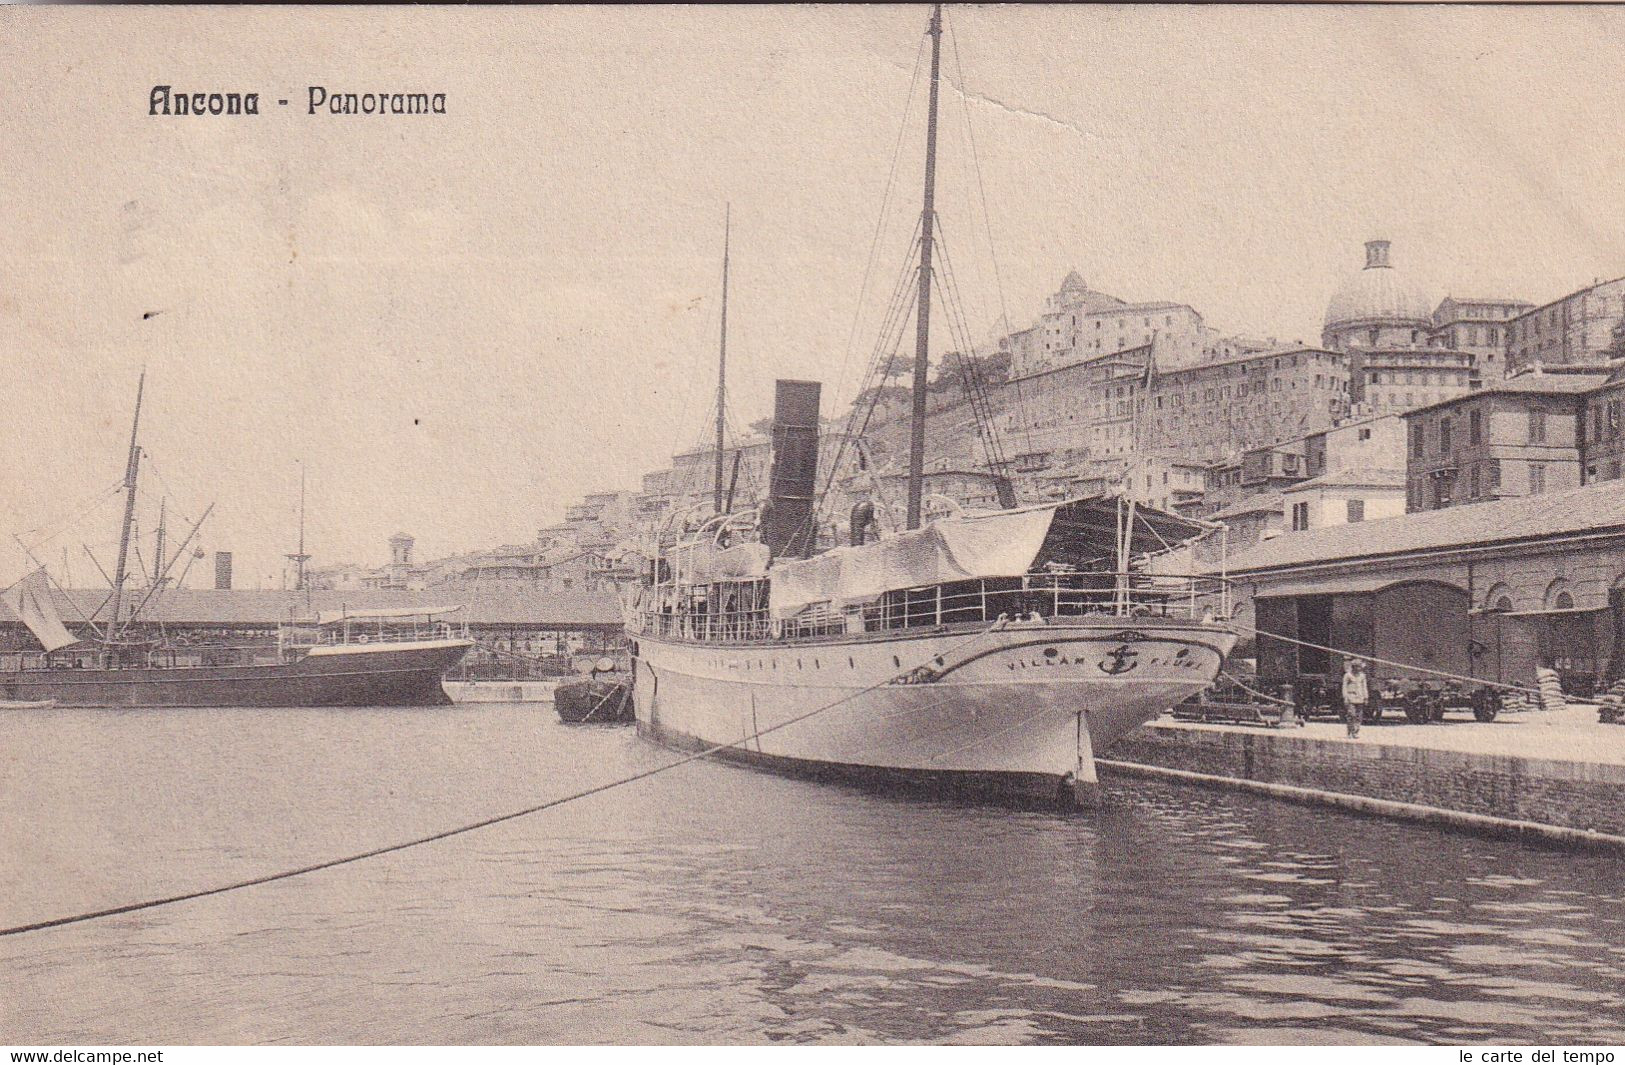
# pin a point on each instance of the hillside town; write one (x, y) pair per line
(1404, 406)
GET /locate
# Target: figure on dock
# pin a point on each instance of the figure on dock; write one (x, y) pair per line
(1355, 693)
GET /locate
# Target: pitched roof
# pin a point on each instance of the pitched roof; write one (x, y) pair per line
(1253, 504)
(1354, 478)
(1597, 506)
(1543, 384)
(485, 603)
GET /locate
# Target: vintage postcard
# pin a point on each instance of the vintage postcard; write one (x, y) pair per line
(887, 525)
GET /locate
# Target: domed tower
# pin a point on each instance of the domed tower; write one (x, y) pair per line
(1379, 307)
(1383, 322)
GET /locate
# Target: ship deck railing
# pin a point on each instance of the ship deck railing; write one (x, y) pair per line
(979, 601)
(363, 631)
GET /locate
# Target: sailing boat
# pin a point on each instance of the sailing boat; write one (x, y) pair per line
(988, 652)
(339, 658)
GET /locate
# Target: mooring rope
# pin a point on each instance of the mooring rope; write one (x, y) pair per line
(1386, 662)
(1238, 682)
(332, 863)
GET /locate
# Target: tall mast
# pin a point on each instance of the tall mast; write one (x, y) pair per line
(922, 331)
(158, 548)
(722, 361)
(132, 466)
(299, 558)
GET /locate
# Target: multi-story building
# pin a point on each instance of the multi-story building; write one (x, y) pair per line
(1602, 435)
(1166, 482)
(1357, 444)
(1258, 472)
(1394, 380)
(1478, 327)
(1346, 496)
(1214, 411)
(1518, 437)
(1246, 522)
(1382, 321)
(1081, 323)
(1584, 328)
(1369, 443)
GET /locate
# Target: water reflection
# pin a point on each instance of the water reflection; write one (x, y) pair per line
(714, 904)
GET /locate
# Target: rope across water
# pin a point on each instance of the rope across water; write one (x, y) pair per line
(376, 852)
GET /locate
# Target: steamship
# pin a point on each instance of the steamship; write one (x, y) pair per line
(988, 652)
(389, 657)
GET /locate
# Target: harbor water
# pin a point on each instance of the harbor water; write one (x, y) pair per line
(719, 904)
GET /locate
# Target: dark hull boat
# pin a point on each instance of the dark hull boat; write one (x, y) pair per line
(339, 658)
(594, 702)
(405, 674)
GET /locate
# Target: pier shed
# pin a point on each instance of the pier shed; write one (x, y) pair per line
(1486, 591)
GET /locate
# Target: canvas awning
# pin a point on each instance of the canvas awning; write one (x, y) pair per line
(1007, 543)
(701, 563)
(333, 617)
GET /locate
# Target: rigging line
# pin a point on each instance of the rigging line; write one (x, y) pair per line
(982, 418)
(976, 165)
(376, 852)
(879, 377)
(60, 527)
(953, 296)
(880, 219)
(152, 464)
(975, 388)
(902, 289)
(904, 294)
(1386, 662)
(1165, 545)
(987, 222)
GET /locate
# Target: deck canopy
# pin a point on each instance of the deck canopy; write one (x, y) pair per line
(1081, 534)
(333, 617)
(700, 562)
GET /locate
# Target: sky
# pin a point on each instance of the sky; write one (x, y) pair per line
(458, 324)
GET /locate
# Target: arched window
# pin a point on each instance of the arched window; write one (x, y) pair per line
(1503, 604)
(1564, 601)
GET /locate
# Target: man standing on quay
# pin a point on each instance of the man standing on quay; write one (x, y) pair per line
(1355, 694)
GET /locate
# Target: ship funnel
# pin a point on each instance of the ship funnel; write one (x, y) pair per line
(787, 522)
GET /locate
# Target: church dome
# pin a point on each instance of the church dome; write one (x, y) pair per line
(1379, 293)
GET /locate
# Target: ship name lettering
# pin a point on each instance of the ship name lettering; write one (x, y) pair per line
(163, 100)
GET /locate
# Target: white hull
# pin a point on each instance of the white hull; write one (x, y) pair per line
(1022, 708)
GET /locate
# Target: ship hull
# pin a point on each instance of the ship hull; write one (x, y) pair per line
(1017, 711)
(402, 674)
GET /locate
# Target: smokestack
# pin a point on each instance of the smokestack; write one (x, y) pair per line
(222, 571)
(787, 524)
